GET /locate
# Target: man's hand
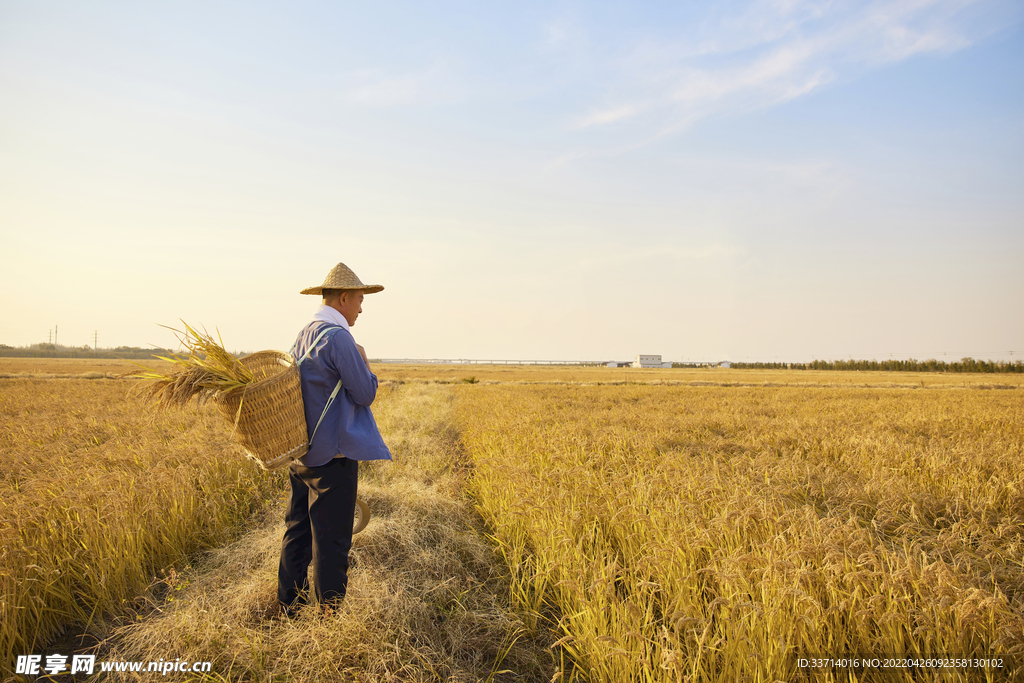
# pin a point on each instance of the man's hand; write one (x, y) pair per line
(362, 352)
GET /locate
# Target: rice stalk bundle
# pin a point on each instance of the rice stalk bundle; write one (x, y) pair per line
(260, 394)
(205, 371)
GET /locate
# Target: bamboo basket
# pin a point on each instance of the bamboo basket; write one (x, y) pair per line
(268, 415)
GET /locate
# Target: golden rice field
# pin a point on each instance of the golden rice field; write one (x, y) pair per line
(660, 525)
(71, 368)
(596, 375)
(98, 493)
(102, 493)
(678, 533)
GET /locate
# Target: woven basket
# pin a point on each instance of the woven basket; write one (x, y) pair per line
(271, 422)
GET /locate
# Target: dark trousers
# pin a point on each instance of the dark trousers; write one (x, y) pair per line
(318, 528)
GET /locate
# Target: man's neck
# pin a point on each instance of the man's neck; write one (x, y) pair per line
(329, 314)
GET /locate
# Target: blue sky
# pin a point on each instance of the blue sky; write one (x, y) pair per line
(549, 181)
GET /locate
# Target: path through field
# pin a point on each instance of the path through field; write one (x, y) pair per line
(426, 598)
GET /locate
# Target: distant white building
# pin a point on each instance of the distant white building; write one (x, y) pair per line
(643, 361)
(725, 364)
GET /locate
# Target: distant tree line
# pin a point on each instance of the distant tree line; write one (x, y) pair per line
(45, 350)
(911, 365)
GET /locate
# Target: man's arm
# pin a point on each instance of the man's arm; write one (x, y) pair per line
(349, 361)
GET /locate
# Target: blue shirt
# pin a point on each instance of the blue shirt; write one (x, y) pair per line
(348, 427)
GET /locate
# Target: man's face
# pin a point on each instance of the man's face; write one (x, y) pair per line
(350, 305)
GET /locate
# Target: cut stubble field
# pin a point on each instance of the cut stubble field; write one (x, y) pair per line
(592, 524)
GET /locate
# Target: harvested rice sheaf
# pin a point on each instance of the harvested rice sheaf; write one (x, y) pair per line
(206, 370)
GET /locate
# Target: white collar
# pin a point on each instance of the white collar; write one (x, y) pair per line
(329, 315)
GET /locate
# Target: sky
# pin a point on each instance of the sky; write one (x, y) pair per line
(753, 181)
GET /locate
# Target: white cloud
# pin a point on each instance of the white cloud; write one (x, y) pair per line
(378, 88)
(599, 118)
(776, 51)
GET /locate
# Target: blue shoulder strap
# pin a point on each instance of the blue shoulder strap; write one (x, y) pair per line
(337, 387)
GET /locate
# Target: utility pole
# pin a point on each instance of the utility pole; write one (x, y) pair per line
(49, 336)
(95, 336)
(54, 336)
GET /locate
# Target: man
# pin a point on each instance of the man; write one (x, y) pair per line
(337, 390)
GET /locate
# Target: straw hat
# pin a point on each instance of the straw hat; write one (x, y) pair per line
(342, 277)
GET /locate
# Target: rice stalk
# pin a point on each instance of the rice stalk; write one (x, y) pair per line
(205, 371)
(98, 496)
(671, 533)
